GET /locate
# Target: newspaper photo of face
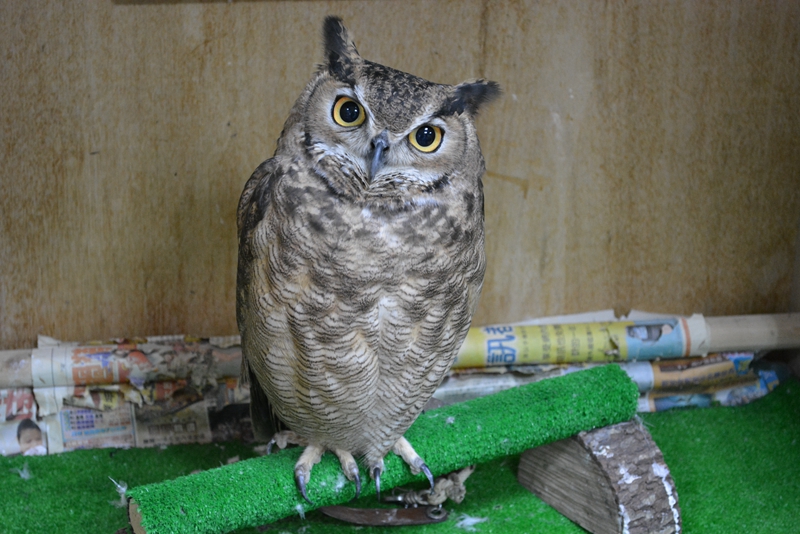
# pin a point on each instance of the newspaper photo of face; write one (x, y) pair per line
(29, 437)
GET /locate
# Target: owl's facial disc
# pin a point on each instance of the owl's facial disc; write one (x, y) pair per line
(377, 154)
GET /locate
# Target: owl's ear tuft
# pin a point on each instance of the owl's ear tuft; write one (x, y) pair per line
(470, 97)
(340, 51)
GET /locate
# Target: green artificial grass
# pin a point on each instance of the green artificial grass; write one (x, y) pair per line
(263, 490)
(736, 470)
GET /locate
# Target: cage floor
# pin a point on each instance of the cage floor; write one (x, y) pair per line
(736, 470)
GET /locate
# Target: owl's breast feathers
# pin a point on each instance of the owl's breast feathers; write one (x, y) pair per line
(345, 303)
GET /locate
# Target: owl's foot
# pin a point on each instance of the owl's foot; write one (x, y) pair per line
(405, 451)
(287, 437)
(350, 468)
(311, 456)
(302, 469)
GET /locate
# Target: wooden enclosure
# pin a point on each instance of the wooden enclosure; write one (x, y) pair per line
(645, 154)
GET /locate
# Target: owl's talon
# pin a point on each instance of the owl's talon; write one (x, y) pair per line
(376, 474)
(300, 480)
(404, 449)
(424, 469)
(358, 486)
(302, 469)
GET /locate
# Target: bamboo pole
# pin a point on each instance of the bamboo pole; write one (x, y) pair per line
(753, 332)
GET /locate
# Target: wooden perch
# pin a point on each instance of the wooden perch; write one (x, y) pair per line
(262, 490)
(609, 480)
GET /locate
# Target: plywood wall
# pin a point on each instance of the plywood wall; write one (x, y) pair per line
(646, 154)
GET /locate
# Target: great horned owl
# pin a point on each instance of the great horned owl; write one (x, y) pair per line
(361, 258)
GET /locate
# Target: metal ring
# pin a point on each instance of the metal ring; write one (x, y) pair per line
(436, 512)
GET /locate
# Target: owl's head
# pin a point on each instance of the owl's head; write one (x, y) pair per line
(368, 128)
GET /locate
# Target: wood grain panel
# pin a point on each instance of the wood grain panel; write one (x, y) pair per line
(128, 131)
(645, 154)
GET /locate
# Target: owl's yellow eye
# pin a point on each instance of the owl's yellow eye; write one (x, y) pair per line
(426, 138)
(347, 112)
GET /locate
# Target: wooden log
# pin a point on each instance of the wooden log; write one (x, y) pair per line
(610, 480)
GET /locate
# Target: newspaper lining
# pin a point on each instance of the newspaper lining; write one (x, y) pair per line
(126, 393)
(165, 390)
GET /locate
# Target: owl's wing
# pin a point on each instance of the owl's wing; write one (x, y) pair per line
(254, 199)
(265, 423)
(252, 205)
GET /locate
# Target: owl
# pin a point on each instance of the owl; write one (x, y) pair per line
(361, 259)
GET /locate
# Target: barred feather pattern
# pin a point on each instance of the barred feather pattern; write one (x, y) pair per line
(348, 335)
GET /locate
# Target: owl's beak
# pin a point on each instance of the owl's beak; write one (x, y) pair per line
(379, 147)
